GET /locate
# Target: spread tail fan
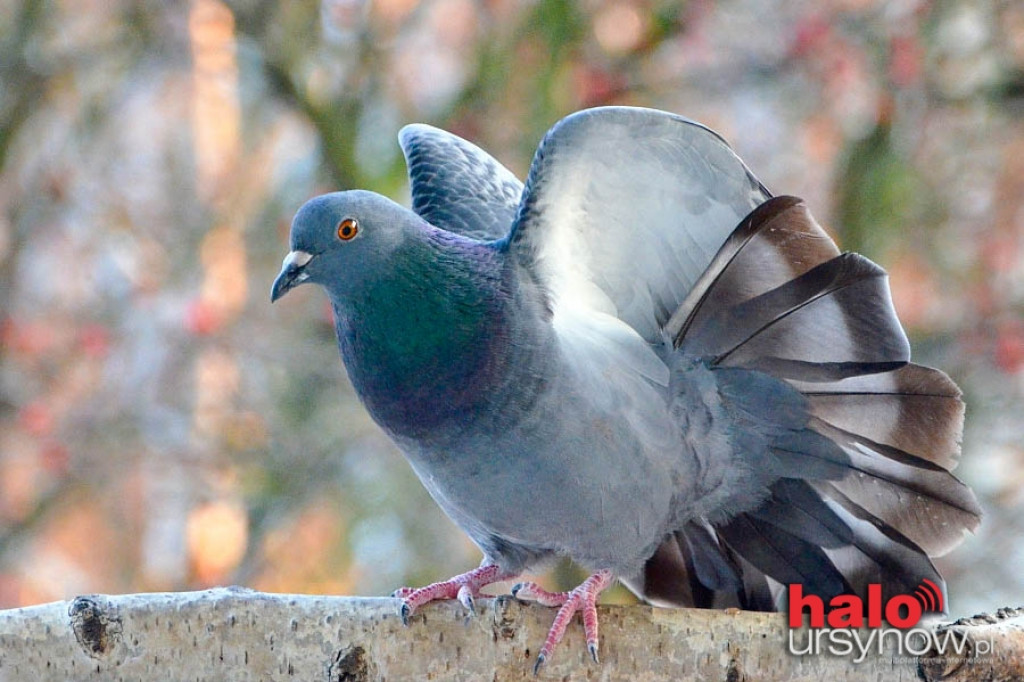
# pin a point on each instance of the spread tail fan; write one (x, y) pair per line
(869, 499)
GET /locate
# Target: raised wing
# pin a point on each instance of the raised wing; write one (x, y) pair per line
(831, 332)
(456, 185)
(866, 492)
(625, 208)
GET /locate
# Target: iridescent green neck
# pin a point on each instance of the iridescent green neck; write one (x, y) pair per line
(424, 340)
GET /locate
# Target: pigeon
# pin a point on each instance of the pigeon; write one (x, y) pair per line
(644, 361)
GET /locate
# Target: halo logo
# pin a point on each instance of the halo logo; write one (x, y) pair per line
(841, 630)
(930, 596)
(902, 611)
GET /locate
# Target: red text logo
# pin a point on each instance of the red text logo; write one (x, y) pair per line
(902, 611)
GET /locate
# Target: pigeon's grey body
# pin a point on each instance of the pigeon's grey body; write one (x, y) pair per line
(624, 363)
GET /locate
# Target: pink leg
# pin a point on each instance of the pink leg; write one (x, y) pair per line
(464, 587)
(583, 598)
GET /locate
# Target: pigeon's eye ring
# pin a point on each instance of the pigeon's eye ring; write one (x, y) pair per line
(347, 229)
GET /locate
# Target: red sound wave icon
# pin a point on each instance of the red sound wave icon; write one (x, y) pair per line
(930, 596)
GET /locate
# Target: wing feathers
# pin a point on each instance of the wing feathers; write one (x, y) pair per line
(837, 316)
(711, 566)
(668, 578)
(783, 556)
(879, 553)
(778, 241)
(914, 409)
(633, 202)
(863, 491)
(457, 186)
(795, 508)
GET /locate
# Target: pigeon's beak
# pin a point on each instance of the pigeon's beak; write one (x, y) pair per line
(293, 273)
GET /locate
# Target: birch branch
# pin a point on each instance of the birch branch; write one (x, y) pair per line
(238, 634)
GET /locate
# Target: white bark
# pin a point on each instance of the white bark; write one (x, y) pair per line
(237, 634)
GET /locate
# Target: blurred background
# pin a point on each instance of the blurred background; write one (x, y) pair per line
(162, 427)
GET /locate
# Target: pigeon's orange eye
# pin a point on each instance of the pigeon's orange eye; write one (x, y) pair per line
(348, 228)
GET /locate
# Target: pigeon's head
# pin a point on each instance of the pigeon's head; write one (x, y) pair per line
(338, 240)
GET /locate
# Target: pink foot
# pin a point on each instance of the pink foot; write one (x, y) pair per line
(583, 598)
(465, 587)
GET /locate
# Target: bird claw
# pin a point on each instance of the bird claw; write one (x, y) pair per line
(463, 587)
(583, 599)
(537, 665)
(465, 597)
(535, 593)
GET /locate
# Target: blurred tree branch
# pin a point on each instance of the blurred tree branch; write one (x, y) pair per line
(47, 503)
(24, 89)
(335, 120)
(18, 76)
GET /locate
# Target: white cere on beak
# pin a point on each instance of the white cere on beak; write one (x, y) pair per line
(297, 259)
